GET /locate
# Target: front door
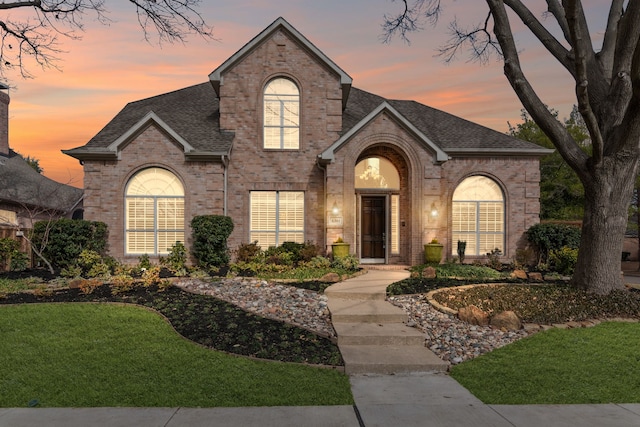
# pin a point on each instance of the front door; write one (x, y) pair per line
(373, 227)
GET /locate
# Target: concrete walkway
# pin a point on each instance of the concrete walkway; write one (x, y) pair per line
(372, 334)
(403, 399)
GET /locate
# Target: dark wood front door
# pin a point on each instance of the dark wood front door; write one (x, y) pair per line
(373, 226)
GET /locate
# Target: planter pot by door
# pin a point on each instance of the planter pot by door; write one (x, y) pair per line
(340, 250)
(433, 253)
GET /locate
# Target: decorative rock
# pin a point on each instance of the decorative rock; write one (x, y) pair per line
(473, 315)
(507, 320)
(519, 274)
(429, 273)
(330, 278)
(536, 277)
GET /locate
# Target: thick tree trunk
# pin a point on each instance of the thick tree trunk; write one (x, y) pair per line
(605, 222)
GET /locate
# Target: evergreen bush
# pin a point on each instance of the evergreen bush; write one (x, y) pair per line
(210, 234)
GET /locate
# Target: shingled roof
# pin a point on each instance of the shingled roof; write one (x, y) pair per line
(21, 184)
(193, 113)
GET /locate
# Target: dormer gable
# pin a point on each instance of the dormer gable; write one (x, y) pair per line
(217, 76)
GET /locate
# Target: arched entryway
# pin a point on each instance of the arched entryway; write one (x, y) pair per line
(382, 200)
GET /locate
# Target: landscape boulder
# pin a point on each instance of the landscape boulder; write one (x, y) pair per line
(429, 273)
(519, 274)
(535, 277)
(473, 315)
(330, 278)
(507, 320)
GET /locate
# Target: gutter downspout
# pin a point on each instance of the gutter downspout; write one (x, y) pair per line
(225, 165)
(324, 215)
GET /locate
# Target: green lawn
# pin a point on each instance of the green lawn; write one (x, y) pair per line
(88, 355)
(588, 365)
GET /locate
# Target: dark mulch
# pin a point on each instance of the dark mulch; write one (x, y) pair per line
(210, 322)
(38, 273)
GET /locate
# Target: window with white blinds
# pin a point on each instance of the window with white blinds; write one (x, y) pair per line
(395, 224)
(154, 212)
(477, 216)
(281, 115)
(276, 217)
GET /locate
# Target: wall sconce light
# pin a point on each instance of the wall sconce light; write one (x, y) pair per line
(334, 209)
(434, 210)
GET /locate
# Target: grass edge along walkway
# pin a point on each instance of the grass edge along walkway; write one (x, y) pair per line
(102, 355)
(574, 366)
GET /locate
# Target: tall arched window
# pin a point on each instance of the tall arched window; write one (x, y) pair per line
(281, 115)
(154, 204)
(478, 216)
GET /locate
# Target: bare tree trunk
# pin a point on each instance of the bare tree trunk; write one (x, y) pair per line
(603, 229)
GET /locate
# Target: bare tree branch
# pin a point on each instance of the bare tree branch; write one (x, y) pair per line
(606, 54)
(582, 52)
(541, 33)
(570, 150)
(36, 39)
(408, 20)
(555, 8)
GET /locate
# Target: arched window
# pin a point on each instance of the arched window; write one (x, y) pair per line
(281, 115)
(154, 204)
(478, 216)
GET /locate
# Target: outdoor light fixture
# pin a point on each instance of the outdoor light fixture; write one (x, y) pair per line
(334, 209)
(434, 210)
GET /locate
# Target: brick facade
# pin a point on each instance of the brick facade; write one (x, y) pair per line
(427, 179)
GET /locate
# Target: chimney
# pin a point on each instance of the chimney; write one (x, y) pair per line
(4, 120)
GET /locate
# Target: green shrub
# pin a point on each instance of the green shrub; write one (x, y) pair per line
(564, 260)
(10, 255)
(549, 237)
(210, 234)
(247, 252)
(176, 261)
(493, 259)
(349, 263)
(318, 262)
(67, 238)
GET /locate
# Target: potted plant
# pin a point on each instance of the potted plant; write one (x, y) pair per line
(433, 252)
(339, 248)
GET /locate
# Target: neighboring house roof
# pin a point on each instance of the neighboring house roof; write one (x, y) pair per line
(22, 185)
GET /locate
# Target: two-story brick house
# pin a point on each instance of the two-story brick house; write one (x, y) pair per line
(280, 141)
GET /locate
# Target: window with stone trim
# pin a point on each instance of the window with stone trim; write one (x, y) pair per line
(477, 216)
(154, 212)
(276, 217)
(281, 115)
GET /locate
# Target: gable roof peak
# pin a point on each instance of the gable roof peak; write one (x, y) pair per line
(216, 77)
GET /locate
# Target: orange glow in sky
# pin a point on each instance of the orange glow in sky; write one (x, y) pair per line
(113, 65)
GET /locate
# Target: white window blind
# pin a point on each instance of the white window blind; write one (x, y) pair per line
(154, 217)
(477, 216)
(395, 224)
(276, 217)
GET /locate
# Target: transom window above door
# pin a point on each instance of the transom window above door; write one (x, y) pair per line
(281, 115)
(376, 173)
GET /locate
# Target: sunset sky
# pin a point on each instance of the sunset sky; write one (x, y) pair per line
(112, 65)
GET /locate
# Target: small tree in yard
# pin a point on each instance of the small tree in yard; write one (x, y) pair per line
(607, 91)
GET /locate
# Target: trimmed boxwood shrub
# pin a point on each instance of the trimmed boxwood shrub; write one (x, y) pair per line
(210, 234)
(67, 238)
